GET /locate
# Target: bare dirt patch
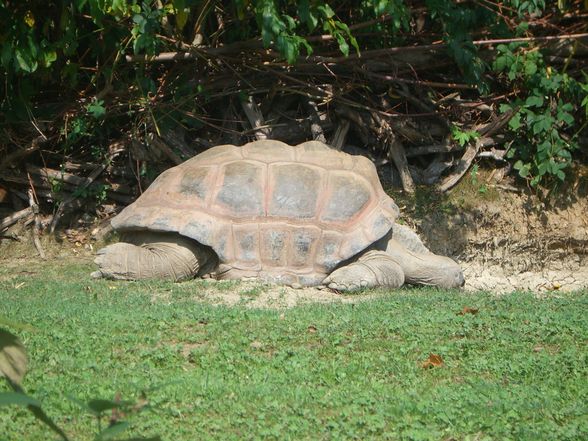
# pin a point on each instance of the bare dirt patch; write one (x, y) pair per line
(253, 294)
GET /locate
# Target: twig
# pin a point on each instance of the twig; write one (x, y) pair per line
(35, 145)
(340, 134)
(507, 188)
(157, 142)
(36, 228)
(472, 150)
(315, 121)
(328, 37)
(433, 84)
(91, 178)
(430, 149)
(431, 47)
(396, 152)
(462, 166)
(497, 155)
(255, 118)
(443, 148)
(398, 156)
(15, 217)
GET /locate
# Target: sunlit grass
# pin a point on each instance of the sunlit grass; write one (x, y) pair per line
(518, 369)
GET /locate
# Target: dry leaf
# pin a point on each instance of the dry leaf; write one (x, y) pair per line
(312, 329)
(256, 345)
(13, 357)
(434, 360)
(468, 310)
(3, 194)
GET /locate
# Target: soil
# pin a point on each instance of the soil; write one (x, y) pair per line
(510, 240)
(505, 240)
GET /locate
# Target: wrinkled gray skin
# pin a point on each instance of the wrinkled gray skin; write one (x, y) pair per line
(396, 259)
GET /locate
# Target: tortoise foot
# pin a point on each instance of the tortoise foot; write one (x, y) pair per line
(373, 269)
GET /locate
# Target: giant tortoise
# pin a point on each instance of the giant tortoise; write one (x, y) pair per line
(303, 215)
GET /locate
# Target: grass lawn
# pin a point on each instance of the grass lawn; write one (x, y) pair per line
(518, 369)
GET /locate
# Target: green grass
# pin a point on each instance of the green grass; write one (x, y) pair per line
(516, 370)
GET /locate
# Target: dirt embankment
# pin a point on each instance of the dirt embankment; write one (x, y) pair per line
(509, 240)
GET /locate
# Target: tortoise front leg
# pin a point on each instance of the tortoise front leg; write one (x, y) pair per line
(372, 269)
(153, 256)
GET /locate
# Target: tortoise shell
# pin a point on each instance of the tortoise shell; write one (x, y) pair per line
(284, 213)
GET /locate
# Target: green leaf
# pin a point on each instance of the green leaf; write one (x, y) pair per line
(499, 64)
(13, 357)
(530, 116)
(505, 108)
(96, 109)
(543, 123)
(544, 146)
(22, 399)
(290, 23)
(530, 67)
(543, 168)
(307, 15)
(326, 10)
(522, 27)
(17, 399)
(534, 101)
(523, 169)
(343, 46)
(181, 13)
(100, 406)
(25, 61)
(564, 116)
(6, 55)
(119, 7)
(515, 121)
(49, 57)
(112, 431)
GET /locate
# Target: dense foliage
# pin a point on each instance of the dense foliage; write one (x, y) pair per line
(67, 66)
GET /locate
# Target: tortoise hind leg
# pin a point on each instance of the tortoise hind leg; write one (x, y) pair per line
(153, 256)
(371, 269)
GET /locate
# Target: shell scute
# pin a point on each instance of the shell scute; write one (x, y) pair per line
(304, 241)
(348, 196)
(294, 190)
(242, 189)
(195, 182)
(274, 245)
(246, 242)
